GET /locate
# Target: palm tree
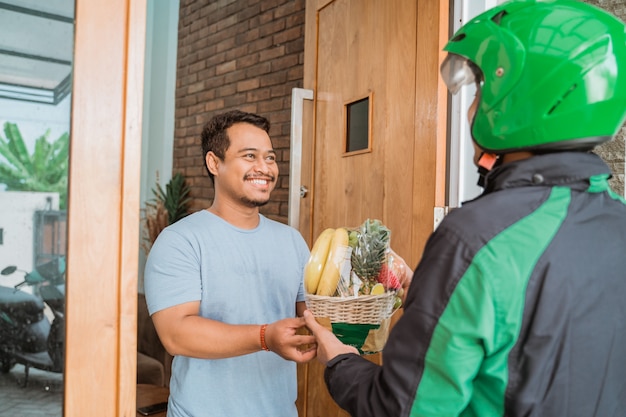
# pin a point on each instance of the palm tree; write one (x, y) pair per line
(45, 170)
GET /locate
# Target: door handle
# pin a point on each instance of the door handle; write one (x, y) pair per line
(296, 190)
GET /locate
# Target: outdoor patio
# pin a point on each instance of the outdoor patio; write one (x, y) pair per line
(42, 397)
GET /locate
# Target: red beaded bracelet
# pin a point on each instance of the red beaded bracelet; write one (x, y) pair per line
(263, 345)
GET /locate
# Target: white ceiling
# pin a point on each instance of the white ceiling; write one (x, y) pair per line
(36, 49)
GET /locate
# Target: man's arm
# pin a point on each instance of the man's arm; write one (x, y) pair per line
(184, 332)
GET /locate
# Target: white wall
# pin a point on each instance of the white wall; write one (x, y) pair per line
(463, 175)
(159, 99)
(17, 213)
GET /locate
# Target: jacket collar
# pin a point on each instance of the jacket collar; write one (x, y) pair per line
(571, 169)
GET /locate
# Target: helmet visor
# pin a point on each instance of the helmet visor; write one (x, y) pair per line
(457, 71)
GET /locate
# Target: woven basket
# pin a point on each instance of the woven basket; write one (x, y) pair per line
(366, 309)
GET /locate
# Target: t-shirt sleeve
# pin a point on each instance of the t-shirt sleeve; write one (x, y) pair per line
(172, 273)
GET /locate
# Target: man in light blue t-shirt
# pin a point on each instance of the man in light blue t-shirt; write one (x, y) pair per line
(224, 286)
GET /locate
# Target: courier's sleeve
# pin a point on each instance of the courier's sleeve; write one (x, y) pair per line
(431, 357)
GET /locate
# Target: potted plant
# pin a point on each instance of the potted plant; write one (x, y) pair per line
(169, 205)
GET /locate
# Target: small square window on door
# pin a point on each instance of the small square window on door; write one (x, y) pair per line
(358, 131)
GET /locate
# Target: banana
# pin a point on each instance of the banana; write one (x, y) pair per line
(331, 274)
(317, 260)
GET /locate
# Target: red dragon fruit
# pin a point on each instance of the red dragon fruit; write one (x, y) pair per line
(388, 278)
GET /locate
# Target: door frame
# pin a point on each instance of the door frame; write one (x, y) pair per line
(103, 208)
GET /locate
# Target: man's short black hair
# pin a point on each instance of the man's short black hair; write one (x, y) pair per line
(214, 136)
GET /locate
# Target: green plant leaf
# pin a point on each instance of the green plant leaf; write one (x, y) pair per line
(17, 145)
(45, 170)
(7, 153)
(175, 197)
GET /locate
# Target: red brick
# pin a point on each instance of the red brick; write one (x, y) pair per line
(288, 35)
(250, 35)
(214, 105)
(234, 76)
(271, 4)
(258, 95)
(271, 28)
(259, 70)
(226, 67)
(237, 52)
(272, 53)
(284, 62)
(226, 90)
(259, 44)
(246, 61)
(226, 22)
(235, 101)
(273, 78)
(205, 95)
(226, 44)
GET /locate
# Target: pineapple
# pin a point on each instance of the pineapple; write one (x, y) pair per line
(369, 252)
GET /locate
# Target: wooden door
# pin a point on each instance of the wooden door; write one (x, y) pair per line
(381, 56)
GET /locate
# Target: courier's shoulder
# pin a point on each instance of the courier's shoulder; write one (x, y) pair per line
(492, 213)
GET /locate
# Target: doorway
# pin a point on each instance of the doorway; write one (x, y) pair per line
(376, 130)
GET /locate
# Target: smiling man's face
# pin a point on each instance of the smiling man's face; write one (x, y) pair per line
(248, 173)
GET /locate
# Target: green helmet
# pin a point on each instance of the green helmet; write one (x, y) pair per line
(551, 75)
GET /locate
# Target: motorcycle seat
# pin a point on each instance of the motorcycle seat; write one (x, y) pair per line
(20, 302)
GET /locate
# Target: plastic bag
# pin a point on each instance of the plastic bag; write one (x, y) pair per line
(357, 290)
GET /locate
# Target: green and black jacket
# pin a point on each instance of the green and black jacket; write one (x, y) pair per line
(517, 308)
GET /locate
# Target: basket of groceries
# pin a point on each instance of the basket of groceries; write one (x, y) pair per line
(351, 284)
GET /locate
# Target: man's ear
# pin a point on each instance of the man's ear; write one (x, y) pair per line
(212, 162)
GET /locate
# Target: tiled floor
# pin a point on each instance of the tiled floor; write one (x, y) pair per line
(42, 397)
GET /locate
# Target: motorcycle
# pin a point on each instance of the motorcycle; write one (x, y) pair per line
(30, 333)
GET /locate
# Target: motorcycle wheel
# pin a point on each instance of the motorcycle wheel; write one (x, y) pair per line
(56, 345)
(6, 363)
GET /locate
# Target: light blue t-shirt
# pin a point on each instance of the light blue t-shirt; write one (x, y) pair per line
(241, 277)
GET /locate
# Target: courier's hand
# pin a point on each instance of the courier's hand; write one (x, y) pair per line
(328, 346)
(282, 338)
(403, 272)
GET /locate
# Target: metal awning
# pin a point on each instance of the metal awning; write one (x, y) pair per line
(36, 49)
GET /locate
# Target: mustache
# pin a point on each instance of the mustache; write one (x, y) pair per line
(270, 178)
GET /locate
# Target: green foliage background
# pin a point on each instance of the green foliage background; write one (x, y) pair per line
(45, 170)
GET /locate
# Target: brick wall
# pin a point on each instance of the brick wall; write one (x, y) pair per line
(236, 54)
(613, 152)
